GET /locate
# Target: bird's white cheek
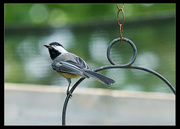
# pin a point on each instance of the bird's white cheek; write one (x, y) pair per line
(60, 49)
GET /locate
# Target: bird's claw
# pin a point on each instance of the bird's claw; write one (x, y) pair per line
(68, 92)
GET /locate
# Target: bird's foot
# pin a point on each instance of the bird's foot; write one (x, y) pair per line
(69, 93)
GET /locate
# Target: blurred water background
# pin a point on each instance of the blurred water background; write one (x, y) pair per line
(86, 30)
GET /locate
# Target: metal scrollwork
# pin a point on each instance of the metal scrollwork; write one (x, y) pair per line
(114, 65)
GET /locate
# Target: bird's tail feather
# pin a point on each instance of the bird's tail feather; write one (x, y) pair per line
(105, 80)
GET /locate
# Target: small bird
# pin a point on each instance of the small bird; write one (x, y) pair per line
(71, 66)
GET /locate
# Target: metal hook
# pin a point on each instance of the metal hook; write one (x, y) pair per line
(114, 65)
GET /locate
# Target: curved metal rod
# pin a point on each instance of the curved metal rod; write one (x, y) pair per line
(128, 65)
(156, 74)
(140, 68)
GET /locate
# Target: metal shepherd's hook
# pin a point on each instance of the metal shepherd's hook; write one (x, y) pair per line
(113, 65)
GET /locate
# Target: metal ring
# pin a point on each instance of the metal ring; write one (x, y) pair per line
(132, 45)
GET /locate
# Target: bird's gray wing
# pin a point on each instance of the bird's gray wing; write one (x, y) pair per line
(68, 67)
(81, 63)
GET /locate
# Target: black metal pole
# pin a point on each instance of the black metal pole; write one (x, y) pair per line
(67, 100)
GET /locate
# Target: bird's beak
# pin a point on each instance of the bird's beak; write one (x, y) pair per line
(49, 47)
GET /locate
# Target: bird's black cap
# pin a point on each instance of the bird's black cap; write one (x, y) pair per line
(56, 43)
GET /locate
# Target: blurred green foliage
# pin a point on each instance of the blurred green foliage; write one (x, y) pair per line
(150, 26)
(61, 14)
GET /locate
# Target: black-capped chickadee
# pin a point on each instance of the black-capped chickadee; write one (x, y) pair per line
(70, 65)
